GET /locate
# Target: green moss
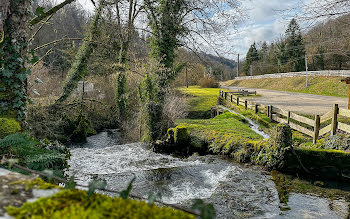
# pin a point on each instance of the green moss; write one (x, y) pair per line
(75, 204)
(37, 183)
(8, 126)
(319, 162)
(181, 135)
(227, 134)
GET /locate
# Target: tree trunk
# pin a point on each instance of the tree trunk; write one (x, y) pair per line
(14, 22)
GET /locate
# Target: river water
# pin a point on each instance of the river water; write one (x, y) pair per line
(236, 191)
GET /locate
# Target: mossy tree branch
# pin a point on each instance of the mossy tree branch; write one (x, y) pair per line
(79, 66)
(50, 12)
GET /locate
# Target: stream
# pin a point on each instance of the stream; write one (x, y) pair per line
(236, 191)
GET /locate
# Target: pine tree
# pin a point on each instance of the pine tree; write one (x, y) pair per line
(252, 56)
(295, 48)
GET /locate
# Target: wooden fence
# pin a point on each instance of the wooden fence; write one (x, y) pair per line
(316, 127)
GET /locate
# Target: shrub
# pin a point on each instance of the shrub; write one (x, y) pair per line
(208, 82)
(8, 126)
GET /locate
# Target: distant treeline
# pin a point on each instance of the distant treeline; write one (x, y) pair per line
(326, 47)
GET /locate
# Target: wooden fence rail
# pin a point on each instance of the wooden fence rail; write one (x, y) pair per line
(314, 128)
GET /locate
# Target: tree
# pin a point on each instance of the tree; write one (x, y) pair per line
(126, 14)
(13, 57)
(295, 48)
(252, 56)
(315, 10)
(14, 28)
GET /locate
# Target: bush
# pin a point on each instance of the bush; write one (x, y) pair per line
(208, 82)
(8, 126)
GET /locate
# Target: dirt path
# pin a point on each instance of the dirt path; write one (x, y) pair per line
(296, 102)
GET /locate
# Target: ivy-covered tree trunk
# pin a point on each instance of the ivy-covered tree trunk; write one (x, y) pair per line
(14, 28)
(121, 91)
(166, 22)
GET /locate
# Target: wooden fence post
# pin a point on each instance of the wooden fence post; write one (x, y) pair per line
(246, 104)
(256, 108)
(271, 113)
(225, 95)
(288, 118)
(316, 128)
(268, 111)
(237, 101)
(335, 119)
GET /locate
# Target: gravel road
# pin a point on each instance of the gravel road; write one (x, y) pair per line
(296, 102)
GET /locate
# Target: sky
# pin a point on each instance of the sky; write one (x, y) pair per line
(264, 23)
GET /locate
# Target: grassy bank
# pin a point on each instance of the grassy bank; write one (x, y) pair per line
(328, 86)
(200, 100)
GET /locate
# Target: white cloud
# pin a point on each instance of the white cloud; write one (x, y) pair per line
(265, 23)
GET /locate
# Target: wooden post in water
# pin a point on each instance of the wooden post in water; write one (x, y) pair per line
(335, 119)
(316, 128)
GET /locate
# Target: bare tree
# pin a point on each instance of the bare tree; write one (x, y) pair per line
(315, 11)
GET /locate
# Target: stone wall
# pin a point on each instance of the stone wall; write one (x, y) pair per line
(340, 73)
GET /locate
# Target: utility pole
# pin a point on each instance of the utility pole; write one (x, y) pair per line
(238, 66)
(251, 70)
(186, 77)
(306, 68)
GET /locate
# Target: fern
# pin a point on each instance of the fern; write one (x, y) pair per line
(32, 153)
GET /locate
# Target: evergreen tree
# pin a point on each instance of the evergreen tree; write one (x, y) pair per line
(252, 56)
(295, 48)
(264, 50)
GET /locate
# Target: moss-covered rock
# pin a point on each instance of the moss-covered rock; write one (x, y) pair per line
(8, 126)
(75, 204)
(274, 155)
(181, 135)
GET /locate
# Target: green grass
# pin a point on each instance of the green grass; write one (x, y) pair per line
(328, 86)
(201, 99)
(226, 125)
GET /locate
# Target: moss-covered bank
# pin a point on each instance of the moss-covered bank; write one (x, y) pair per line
(76, 204)
(73, 203)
